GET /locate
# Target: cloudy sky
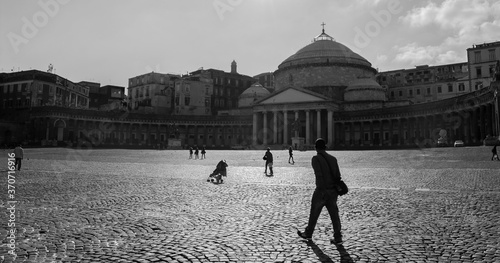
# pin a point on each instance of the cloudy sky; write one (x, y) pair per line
(110, 41)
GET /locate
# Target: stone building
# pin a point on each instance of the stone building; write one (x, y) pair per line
(227, 87)
(426, 83)
(193, 95)
(326, 90)
(152, 93)
(323, 90)
(34, 88)
(482, 59)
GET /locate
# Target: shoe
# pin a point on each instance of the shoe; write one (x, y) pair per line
(303, 235)
(336, 241)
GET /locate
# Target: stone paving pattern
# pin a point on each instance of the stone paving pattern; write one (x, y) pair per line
(427, 205)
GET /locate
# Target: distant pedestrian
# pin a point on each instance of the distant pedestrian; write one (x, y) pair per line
(190, 152)
(327, 172)
(196, 153)
(19, 155)
(203, 151)
(268, 157)
(495, 153)
(290, 152)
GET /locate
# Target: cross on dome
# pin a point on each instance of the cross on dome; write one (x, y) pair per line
(323, 35)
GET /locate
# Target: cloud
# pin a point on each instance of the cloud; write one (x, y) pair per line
(416, 55)
(453, 14)
(464, 22)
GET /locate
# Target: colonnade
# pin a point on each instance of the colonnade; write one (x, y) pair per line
(280, 126)
(139, 133)
(472, 125)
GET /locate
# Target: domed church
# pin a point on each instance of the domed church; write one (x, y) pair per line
(327, 90)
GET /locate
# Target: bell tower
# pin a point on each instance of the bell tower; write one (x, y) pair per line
(233, 67)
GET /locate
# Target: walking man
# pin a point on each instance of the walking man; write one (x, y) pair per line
(290, 152)
(269, 161)
(19, 155)
(327, 172)
(495, 153)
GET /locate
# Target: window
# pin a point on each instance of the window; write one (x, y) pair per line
(450, 88)
(400, 93)
(491, 55)
(177, 99)
(477, 56)
(392, 94)
(478, 72)
(461, 87)
(439, 89)
(410, 92)
(17, 87)
(24, 86)
(11, 88)
(418, 91)
(428, 91)
(187, 100)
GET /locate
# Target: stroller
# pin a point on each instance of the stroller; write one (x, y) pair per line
(220, 170)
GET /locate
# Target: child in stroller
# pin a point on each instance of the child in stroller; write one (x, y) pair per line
(220, 170)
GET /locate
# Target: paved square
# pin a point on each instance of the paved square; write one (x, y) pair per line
(429, 205)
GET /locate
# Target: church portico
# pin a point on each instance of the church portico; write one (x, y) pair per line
(278, 124)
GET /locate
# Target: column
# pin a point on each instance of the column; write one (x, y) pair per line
(351, 134)
(318, 124)
(205, 135)
(275, 127)
(296, 118)
(391, 133)
(308, 128)
(214, 135)
(264, 130)
(401, 135)
(362, 133)
(254, 129)
(330, 128)
(381, 132)
(285, 128)
(371, 133)
(482, 127)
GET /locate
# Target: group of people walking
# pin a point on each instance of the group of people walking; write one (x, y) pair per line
(197, 152)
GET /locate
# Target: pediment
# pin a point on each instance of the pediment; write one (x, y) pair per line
(292, 95)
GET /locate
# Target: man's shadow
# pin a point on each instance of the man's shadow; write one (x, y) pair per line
(344, 255)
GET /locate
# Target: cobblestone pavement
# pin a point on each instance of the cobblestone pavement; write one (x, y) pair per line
(430, 205)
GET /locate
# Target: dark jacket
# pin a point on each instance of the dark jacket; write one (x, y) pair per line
(324, 178)
(269, 157)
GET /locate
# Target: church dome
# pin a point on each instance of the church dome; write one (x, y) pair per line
(364, 89)
(255, 92)
(324, 49)
(323, 66)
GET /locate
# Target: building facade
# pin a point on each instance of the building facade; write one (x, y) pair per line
(326, 90)
(227, 87)
(152, 93)
(482, 60)
(193, 95)
(34, 88)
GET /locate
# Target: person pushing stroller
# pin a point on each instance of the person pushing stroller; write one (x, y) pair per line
(220, 170)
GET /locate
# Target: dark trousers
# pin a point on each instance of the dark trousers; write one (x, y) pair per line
(320, 199)
(18, 163)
